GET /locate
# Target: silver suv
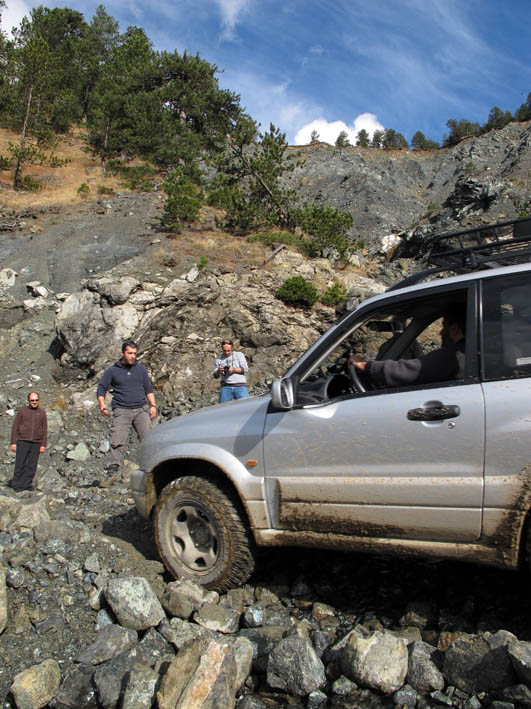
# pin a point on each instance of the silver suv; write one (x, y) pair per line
(337, 456)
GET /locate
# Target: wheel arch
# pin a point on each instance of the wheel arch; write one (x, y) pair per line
(180, 466)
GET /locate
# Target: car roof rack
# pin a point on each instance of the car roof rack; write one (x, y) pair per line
(468, 250)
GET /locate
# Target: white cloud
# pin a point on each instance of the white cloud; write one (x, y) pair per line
(231, 11)
(13, 13)
(329, 130)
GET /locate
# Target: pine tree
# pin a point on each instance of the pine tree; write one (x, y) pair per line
(459, 129)
(377, 139)
(392, 139)
(418, 142)
(248, 185)
(524, 112)
(342, 140)
(497, 119)
(100, 41)
(362, 139)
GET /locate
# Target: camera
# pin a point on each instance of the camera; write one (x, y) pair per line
(226, 370)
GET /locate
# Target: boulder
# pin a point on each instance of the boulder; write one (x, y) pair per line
(217, 618)
(202, 676)
(110, 641)
(480, 663)
(520, 655)
(379, 661)
(134, 603)
(34, 688)
(140, 689)
(294, 666)
(423, 673)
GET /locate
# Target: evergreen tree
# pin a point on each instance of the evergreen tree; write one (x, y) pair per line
(248, 184)
(183, 203)
(392, 139)
(35, 67)
(122, 102)
(362, 139)
(524, 112)
(161, 106)
(327, 228)
(420, 142)
(6, 58)
(197, 114)
(314, 138)
(497, 119)
(61, 31)
(99, 42)
(459, 129)
(342, 140)
(377, 139)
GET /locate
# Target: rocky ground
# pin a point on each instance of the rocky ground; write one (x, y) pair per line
(88, 616)
(93, 620)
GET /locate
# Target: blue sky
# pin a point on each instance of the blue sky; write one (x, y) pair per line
(335, 65)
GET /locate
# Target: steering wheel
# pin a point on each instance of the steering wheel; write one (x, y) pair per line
(360, 382)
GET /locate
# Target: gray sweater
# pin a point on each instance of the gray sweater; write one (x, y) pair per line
(437, 366)
(235, 359)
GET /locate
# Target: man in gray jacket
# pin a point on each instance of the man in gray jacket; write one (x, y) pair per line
(231, 367)
(443, 364)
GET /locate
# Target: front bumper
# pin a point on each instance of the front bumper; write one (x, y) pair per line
(138, 490)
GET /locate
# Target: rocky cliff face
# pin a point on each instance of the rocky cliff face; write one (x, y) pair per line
(485, 178)
(180, 321)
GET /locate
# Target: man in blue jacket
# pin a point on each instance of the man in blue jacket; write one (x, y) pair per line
(133, 404)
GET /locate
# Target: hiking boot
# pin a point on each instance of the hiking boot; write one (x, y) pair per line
(112, 476)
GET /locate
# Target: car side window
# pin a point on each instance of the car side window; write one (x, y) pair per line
(506, 347)
(400, 345)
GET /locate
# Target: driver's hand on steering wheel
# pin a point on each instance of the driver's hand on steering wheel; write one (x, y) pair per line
(358, 362)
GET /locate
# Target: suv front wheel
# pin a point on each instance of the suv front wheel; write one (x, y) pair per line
(201, 535)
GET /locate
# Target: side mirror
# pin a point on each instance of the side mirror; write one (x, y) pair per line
(282, 395)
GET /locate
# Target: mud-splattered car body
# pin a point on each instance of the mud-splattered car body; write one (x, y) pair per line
(439, 468)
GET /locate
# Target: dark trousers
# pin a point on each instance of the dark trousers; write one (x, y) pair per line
(25, 465)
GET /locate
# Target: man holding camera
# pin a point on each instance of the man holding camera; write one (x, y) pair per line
(231, 367)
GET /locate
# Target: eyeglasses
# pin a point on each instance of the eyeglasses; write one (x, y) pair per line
(33, 401)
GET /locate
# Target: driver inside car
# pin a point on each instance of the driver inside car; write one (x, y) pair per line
(442, 364)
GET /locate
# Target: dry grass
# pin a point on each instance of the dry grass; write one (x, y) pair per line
(221, 250)
(59, 188)
(58, 185)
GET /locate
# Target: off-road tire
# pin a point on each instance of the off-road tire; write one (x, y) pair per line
(201, 534)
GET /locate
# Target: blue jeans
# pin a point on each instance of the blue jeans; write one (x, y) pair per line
(228, 393)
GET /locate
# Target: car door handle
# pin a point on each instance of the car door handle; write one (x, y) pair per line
(434, 413)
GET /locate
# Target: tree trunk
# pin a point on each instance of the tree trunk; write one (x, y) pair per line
(104, 152)
(17, 179)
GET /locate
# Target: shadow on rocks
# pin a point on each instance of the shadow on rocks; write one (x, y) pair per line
(457, 596)
(130, 527)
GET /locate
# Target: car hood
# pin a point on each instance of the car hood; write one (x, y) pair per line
(235, 428)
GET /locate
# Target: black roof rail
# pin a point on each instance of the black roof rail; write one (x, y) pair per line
(468, 250)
